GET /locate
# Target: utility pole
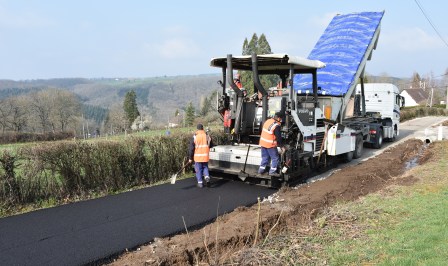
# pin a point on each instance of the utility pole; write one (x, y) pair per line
(429, 101)
(83, 132)
(432, 96)
(446, 102)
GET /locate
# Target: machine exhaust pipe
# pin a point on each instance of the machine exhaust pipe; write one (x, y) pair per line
(230, 76)
(239, 93)
(260, 88)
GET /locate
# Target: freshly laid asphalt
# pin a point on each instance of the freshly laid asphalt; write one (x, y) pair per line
(90, 231)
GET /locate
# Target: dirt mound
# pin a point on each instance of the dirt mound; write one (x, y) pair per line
(287, 209)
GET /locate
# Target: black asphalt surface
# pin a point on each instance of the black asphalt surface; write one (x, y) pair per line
(87, 232)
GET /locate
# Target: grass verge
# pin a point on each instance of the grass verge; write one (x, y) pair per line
(400, 225)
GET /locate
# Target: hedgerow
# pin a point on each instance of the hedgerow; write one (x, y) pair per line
(74, 169)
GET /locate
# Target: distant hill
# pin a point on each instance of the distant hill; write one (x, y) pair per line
(158, 96)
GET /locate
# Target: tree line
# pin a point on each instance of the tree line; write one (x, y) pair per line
(43, 111)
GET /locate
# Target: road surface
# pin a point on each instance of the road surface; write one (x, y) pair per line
(85, 232)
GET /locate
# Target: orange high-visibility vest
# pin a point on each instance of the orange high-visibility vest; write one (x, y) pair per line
(227, 118)
(267, 138)
(239, 84)
(201, 146)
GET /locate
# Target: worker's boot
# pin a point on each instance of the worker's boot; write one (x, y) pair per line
(207, 181)
(272, 171)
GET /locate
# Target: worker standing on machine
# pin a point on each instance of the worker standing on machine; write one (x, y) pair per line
(237, 80)
(270, 139)
(199, 151)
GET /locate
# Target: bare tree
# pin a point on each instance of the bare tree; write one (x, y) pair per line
(5, 112)
(13, 113)
(66, 107)
(116, 120)
(41, 105)
(19, 113)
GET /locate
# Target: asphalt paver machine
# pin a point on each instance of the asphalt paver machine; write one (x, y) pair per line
(314, 99)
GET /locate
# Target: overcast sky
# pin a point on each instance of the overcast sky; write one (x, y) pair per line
(107, 38)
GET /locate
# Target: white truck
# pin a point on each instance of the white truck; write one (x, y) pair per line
(383, 101)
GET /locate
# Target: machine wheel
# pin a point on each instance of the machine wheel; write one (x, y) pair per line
(357, 153)
(379, 139)
(348, 157)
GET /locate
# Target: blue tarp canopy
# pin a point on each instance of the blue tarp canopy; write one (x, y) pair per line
(344, 48)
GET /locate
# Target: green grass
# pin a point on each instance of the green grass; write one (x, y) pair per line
(422, 237)
(403, 230)
(13, 147)
(407, 227)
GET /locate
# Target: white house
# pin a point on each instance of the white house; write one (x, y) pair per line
(414, 97)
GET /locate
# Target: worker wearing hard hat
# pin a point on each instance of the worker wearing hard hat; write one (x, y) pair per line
(270, 139)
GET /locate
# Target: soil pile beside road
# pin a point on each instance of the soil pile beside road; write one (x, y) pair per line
(287, 209)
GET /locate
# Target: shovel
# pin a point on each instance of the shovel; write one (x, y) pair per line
(174, 177)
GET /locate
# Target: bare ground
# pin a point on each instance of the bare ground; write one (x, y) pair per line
(288, 209)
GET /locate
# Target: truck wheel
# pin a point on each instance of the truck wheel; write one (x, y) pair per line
(379, 139)
(357, 153)
(394, 137)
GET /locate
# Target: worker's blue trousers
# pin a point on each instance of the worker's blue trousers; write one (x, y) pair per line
(201, 170)
(268, 154)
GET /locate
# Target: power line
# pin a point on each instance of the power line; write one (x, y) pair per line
(430, 22)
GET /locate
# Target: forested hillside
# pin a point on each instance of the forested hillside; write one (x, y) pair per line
(157, 97)
(83, 106)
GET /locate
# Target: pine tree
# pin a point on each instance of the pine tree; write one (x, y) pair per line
(130, 107)
(253, 44)
(189, 114)
(206, 104)
(417, 81)
(258, 46)
(263, 46)
(245, 47)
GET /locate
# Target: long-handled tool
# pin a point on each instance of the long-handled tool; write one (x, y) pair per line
(243, 175)
(174, 177)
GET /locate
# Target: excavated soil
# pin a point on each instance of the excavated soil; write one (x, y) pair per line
(286, 210)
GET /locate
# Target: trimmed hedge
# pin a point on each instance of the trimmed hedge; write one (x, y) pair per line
(73, 169)
(409, 113)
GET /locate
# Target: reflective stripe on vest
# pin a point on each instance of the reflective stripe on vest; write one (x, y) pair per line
(267, 138)
(201, 147)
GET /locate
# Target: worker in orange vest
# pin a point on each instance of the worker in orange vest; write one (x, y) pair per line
(270, 139)
(237, 81)
(199, 152)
